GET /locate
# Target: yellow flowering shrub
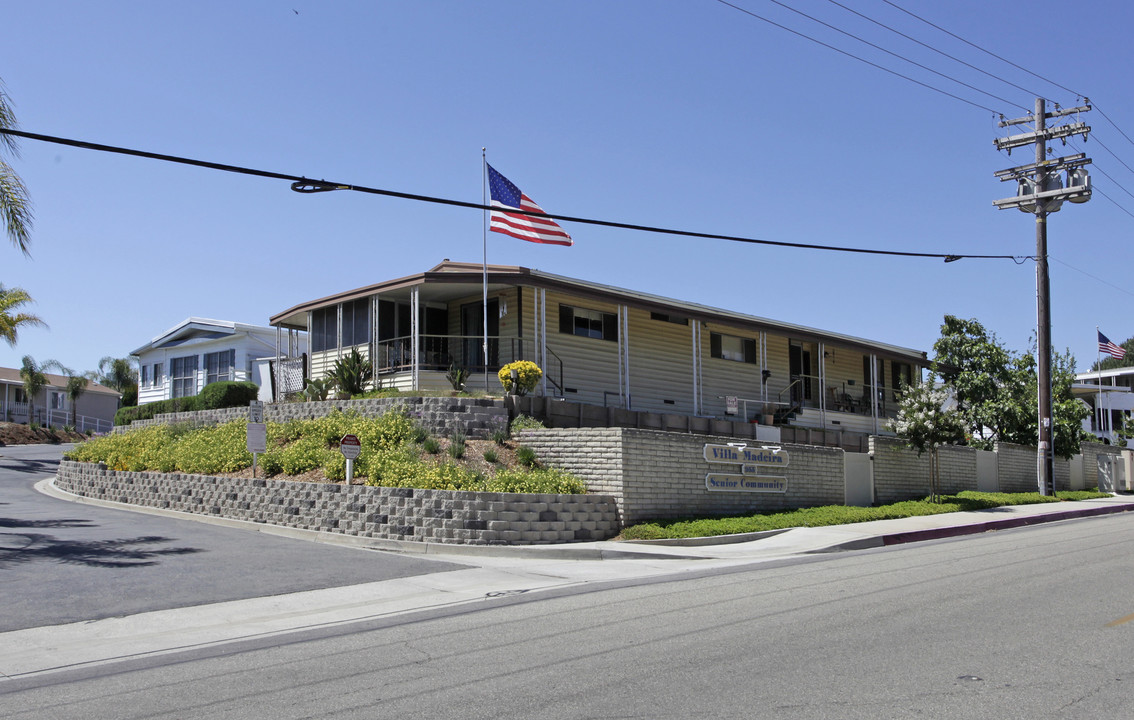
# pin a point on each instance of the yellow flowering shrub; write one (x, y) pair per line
(528, 376)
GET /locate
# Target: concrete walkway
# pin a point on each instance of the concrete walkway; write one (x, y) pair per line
(493, 574)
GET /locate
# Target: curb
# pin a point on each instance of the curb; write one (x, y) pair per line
(992, 525)
(550, 552)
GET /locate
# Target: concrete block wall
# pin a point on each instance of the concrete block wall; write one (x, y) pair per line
(899, 472)
(656, 474)
(475, 417)
(1091, 453)
(442, 516)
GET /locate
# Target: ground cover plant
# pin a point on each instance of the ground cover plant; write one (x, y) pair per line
(395, 452)
(840, 514)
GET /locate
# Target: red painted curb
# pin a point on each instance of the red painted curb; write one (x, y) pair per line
(1007, 523)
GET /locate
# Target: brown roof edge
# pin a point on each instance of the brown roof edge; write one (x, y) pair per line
(446, 271)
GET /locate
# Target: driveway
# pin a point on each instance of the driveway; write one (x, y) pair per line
(64, 562)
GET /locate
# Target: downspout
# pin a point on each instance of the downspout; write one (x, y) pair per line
(415, 334)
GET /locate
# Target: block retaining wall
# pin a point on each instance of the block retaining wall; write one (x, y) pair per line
(475, 417)
(440, 516)
(655, 474)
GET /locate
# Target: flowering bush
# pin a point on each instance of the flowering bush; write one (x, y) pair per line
(528, 375)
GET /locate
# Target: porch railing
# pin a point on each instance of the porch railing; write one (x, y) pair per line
(440, 352)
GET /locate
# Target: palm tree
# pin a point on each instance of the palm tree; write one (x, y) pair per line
(119, 374)
(15, 204)
(76, 386)
(34, 381)
(11, 299)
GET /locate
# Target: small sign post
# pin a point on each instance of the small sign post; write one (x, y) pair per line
(257, 435)
(350, 447)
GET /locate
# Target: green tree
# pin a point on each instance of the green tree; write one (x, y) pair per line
(121, 375)
(996, 389)
(11, 319)
(34, 380)
(988, 382)
(15, 204)
(75, 387)
(925, 423)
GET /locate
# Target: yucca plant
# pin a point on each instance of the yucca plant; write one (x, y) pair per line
(352, 373)
(457, 376)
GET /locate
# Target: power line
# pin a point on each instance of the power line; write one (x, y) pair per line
(894, 54)
(1096, 278)
(978, 47)
(856, 57)
(307, 185)
(936, 50)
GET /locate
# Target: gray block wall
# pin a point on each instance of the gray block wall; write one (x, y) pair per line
(655, 474)
(475, 417)
(442, 516)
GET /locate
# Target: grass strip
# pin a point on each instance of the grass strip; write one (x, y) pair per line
(840, 514)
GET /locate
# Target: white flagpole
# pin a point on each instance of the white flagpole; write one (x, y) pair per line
(1098, 365)
(484, 265)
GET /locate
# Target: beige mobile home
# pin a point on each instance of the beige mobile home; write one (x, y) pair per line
(604, 345)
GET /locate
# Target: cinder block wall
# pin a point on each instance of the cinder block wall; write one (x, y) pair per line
(1091, 452)
(656, 474)
(442, 516)
(475, 417)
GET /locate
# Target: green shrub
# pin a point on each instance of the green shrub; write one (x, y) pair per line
(526, 456)
(431, 446)
(524, 422)
(491, 456)
(500, 437)
(226, 394)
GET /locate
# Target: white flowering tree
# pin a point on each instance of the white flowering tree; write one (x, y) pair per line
(925, 424)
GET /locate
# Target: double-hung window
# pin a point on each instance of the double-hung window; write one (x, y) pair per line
(183, 372)
(220, 366)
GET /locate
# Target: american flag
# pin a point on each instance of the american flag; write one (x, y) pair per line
(524, 227)
(1106, 346)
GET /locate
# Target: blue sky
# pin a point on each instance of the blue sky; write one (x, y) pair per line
(685, 114)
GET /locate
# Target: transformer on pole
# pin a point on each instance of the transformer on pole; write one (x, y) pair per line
(1040, 189)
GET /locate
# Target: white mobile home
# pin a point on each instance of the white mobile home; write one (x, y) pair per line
(197, 351)
(606, 346)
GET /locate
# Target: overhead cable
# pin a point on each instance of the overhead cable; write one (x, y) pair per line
(856, 57)
(307, 185)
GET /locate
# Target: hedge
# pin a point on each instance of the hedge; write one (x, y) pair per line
(215, 395)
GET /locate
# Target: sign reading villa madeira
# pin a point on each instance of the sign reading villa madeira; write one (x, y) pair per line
(749, 462)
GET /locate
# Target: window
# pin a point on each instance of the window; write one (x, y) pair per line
(356, 322)
(145, 379)
(325, 328)
(21, 395)
(731, 347)
(183, 371)
(219, 366)
(588, 323)
(663, 317)
(157, 374)
(899, 377)
(57, 401)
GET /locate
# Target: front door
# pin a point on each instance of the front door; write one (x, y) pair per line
(799, 367)
(472, 331)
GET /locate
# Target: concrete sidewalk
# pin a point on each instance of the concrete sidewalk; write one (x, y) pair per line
(493, 574)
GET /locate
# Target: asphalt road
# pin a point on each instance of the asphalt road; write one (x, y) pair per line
(64, 562)
(1029, 623)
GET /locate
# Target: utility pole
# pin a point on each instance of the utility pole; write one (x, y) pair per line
(1040, 190)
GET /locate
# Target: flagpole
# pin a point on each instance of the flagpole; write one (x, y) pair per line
(1098, 366)
(484, 258)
